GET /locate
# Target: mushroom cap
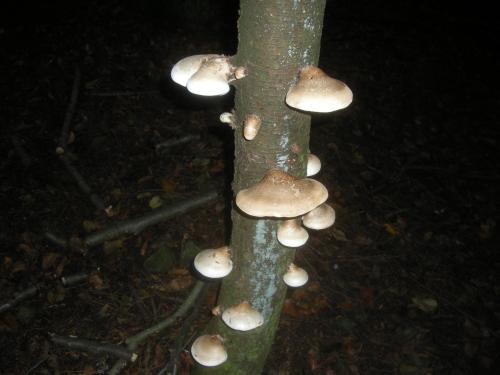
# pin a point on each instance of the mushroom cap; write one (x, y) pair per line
(211, 78)
(208, 350)
(291, 234)
(242, 317)
(279, 194)
(313, 165)
(295, 276)
(251, 127)
(214, 263)
(321, 217)
(315, 91)
(185, 68)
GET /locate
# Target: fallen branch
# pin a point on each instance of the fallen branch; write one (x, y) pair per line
(135, 226)
(134, 341)
(160, 147)
(94, 347)
(82, 184)
(34, 289)
(63, 141)
(181, 341)
(122, 93)
(18, 297)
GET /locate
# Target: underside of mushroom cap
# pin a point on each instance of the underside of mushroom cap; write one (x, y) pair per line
(315, 91)
(279, 194)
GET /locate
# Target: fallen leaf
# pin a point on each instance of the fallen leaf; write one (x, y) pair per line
(96, 281)
(49, 260)
(155, 202)
(168, 186)
(339, 235)
(391, 229)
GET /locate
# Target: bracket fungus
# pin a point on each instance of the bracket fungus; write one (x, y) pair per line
(315, 91)
(214, 263)
(279, 194)
(242, 317)
(313, 165)
(295, 276)
(206, 75)
(291, 234)
(321, 217)
(185, 68)
(251, 127)
(208, 350)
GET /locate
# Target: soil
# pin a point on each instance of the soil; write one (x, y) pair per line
(406, 282)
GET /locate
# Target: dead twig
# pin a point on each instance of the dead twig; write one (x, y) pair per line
(82, 184)
(34, 289)
(63, 141)
(122, 93)
(94, 347)
(134, 341)
(161, 147)
(135, 226)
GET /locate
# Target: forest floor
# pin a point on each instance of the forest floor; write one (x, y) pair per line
(406, 282)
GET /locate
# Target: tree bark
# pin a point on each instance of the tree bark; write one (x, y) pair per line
(276, 39)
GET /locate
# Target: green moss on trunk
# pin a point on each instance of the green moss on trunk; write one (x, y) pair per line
(276, 39)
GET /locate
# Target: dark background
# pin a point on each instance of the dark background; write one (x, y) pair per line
(407, 280)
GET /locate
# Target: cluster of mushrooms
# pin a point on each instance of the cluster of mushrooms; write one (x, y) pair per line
(278, 194)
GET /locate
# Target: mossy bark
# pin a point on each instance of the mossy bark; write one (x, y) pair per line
(276, 39)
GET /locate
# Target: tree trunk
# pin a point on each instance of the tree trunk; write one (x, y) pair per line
(276, 39)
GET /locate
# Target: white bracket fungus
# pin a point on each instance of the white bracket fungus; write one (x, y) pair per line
(315, 91)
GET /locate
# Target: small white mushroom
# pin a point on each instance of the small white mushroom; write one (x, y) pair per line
(240, 72)
(295, 276)
(227, 118)
(313, 165)
(208, 350)
(290, 233)
(251, 127)
(214, 263)
(321, 217)
(242, 317)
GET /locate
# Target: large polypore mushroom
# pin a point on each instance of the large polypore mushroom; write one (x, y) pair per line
(212, 78)
(214, 263)
(208, 350)
(279, 194)
(242, 317)
(315, 91)
(185, 68)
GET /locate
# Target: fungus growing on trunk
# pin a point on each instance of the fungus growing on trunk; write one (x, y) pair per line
(227, 118)
(291, 233)
(208, 350)
(212, 78)
(315, 91)
(279, 194)
(295, 276)
(251, 127)
(214, 263)
(313, 165)
(185, 68)
(242, 317)
(321, 217)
